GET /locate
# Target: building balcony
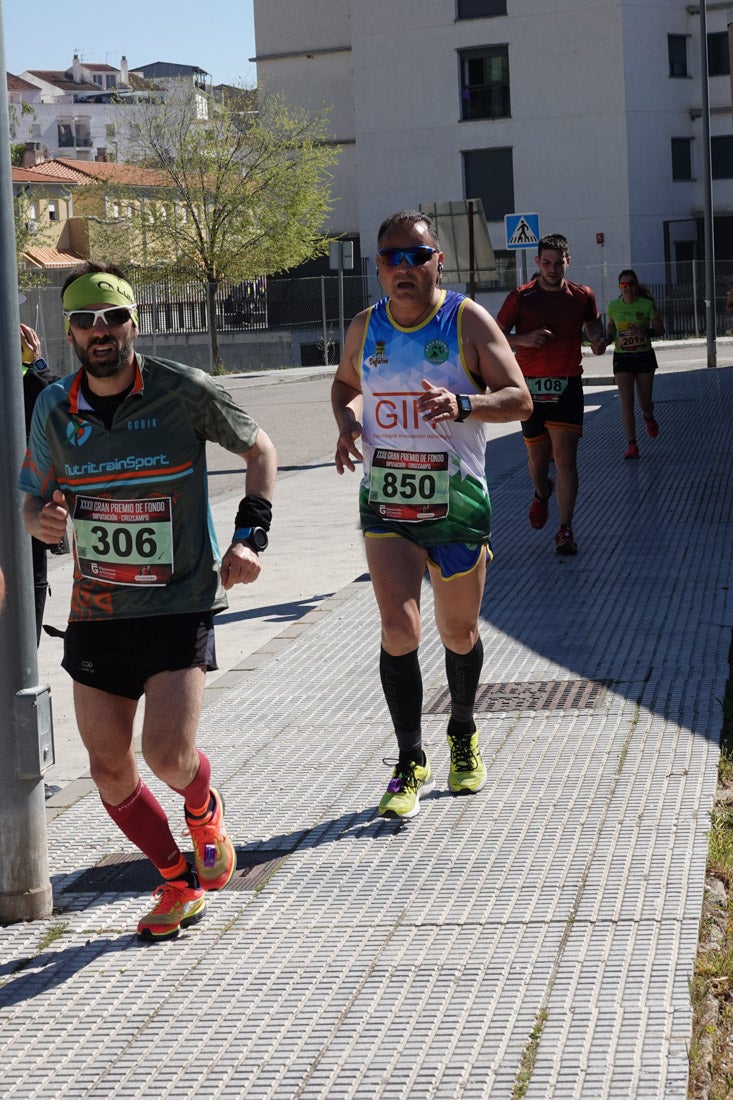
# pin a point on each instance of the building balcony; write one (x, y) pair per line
(74, 141)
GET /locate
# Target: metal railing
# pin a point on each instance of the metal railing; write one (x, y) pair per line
(307, 307)
(266, 304)
(682, 306)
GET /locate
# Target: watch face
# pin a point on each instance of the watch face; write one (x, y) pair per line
(464, 406)
(259, 538)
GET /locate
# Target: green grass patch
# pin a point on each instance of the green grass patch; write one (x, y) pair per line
(711, 989)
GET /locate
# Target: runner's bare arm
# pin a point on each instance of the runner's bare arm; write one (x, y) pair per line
(596, 335)
(537, 338)
(489, 355)
(346, 398)
(241, 563)
(261, 462)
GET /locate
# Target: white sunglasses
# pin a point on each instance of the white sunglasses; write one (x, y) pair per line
(111, 315)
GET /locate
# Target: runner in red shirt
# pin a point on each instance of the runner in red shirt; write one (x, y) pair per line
(544, 322)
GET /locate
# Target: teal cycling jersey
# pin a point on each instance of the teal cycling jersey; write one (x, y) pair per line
(137, 492)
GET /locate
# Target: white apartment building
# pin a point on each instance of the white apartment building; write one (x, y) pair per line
(585, 112)
(75, 112)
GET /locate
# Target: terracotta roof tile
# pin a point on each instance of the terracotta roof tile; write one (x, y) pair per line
(59, 169)
(30, 175)
(113, 172)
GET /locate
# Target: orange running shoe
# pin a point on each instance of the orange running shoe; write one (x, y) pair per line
(652, 428)
(632, 451)
(178, 904)
(213, 851)
(538, 509)
(565, 544)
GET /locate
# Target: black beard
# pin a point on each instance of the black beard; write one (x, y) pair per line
(111, 368)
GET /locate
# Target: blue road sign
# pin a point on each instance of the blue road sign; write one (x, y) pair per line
(522, 230)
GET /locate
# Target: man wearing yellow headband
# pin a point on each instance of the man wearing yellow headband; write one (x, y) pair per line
(119, 449)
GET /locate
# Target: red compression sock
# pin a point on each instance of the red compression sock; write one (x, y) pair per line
(197, 795)
(143, 821)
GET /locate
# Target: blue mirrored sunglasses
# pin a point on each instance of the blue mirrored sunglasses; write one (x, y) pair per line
(415, 257)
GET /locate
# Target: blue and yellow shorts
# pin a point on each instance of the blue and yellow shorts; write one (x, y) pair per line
(452, 559)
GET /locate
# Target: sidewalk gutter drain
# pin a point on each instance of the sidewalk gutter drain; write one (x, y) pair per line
(529, 695)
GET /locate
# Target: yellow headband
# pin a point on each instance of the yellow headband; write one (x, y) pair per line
(96, 288)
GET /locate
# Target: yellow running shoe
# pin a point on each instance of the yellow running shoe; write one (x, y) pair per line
(467, 772)
(177, 906)
(213, 851)
(407, 786)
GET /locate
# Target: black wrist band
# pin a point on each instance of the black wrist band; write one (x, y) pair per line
(254, 511)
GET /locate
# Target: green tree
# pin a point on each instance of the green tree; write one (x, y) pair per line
(26, 227)
(28, 232)
(243, 193)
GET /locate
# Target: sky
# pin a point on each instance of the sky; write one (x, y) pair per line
(218, 36)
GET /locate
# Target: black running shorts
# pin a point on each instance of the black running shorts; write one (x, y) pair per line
(119, 655)
(554, 408)
(634, 362)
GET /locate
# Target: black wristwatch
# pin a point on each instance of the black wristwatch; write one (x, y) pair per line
(256, 537)
(464, 407)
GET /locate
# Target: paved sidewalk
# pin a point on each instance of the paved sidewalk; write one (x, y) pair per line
(543, 931)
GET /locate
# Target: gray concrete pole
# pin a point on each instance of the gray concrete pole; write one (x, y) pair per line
(708, 208)
(25, 708)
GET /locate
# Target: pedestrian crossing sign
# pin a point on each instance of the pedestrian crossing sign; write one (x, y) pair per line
(522, 230)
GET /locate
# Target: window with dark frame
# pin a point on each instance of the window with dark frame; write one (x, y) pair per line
(485, 82)
(721, 158)
(681, 158)
(476, 9)
(677, 53)
(489, 175)
(718, 54)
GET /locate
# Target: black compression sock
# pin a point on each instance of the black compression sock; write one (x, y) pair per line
(402, 686)
(463, 671)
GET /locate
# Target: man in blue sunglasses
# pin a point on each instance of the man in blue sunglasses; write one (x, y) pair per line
(421, 374)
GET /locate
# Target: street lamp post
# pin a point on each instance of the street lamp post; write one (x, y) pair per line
(710, 318)
(26, 736)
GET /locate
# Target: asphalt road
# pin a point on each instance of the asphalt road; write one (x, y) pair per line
(294, 408)
(296, 414)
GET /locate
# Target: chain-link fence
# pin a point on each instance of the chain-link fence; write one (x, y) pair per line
(680, 300)
(265, 304)
(682, 305)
